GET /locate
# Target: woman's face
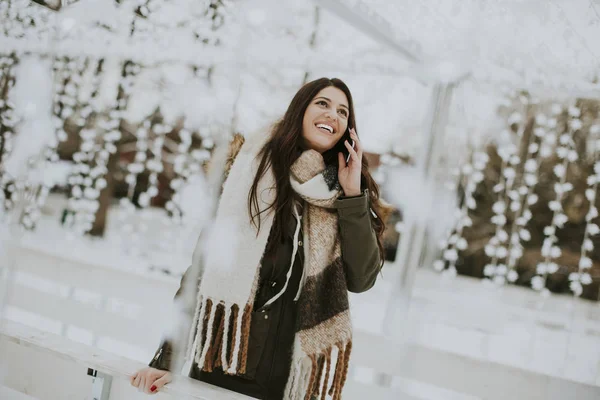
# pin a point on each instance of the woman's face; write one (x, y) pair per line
(325, 119)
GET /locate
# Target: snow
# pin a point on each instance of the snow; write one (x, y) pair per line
(32, 96)
(194, 193)
(263, 55)
(109, 85)
(74, 20)
(177, 92)
(504, 40)
(534, 39)
(258, 66)
(56, 173)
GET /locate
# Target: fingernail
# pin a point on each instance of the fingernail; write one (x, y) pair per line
(153, 388)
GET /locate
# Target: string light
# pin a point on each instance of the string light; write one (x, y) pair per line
(83, 204)
(9, 121)
(567, 153)
(582, 277)
(525, 197)
(498, 246)
(472, 173)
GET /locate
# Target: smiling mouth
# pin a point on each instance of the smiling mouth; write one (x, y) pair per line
(325, 128)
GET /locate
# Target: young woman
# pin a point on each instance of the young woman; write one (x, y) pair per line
(275, 324)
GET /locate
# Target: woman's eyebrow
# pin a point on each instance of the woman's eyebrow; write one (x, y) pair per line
(329, 100)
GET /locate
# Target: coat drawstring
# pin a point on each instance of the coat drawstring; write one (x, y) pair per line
(294, 252)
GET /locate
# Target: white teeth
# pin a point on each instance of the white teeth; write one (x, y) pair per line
(329, 128)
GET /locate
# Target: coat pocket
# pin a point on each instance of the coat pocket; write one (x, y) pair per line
(259, 331)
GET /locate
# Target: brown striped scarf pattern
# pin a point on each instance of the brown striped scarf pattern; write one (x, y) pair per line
(221, 327)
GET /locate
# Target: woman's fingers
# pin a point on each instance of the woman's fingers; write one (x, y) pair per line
(160, 382)
(353, 154)
(150, 379)
(136, 381)
(357, 143)
(341, 162)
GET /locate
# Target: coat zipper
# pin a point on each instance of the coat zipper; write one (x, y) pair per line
(158, 354)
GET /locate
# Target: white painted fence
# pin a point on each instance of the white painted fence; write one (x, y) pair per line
(463, 342)
(86, 296)
(50, 367)
(11, 394)
(66, 296)
(482, 342)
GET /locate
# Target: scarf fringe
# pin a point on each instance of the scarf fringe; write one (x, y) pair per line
(310, 376)
(220, 335)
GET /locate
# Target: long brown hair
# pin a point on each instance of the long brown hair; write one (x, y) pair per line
(284, 147)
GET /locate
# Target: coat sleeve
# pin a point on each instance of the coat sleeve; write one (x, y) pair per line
(360, 252)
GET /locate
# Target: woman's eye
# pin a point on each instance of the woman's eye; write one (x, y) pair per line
(322, 102)
(344, 113)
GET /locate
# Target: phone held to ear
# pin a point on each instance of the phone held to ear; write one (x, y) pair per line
(348, 157)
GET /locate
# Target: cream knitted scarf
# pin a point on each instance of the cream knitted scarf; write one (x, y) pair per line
(323, 340)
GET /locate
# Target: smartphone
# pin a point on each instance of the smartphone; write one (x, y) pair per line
(348, 157)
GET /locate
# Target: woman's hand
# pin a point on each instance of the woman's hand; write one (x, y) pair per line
(150, 380)
(349, 175)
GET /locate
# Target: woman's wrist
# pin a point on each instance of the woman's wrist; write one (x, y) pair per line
(352, 192)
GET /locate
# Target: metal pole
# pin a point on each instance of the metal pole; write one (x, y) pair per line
(414, 239)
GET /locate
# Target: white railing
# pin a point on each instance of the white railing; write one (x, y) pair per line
(463, 340)
(10, 394)
(112, 304)
(475, 340)
(50, 367)
(455, 376)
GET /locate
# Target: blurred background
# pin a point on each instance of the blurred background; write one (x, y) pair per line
(481, 122)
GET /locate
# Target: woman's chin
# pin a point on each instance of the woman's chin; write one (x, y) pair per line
(321, 146)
